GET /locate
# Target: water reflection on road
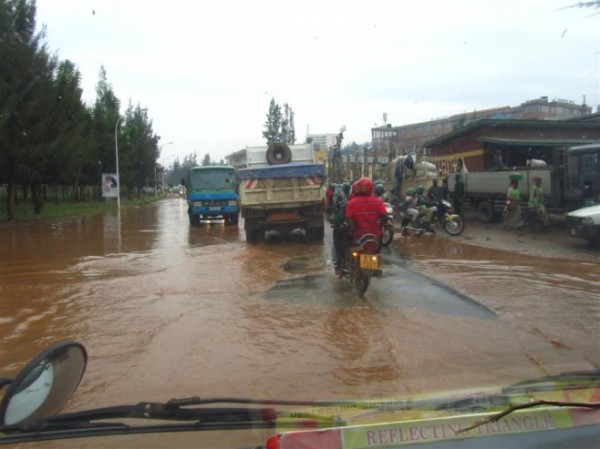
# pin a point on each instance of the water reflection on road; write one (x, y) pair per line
(168, 310)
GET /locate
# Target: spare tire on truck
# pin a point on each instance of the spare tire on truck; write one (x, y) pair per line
(279, 153)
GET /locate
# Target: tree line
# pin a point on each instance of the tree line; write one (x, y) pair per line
(279, 126)
(49, 138)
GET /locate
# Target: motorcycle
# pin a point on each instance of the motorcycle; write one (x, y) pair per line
(551, 411)
(388, 227)
(443, 215)
(362, 262)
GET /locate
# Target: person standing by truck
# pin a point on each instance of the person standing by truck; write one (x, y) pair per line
(434, 194)
(458, 199)
(512, 217)
(539, 214)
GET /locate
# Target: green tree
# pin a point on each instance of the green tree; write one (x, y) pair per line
(70, 161)
(26, 98)
(47, 134)
(179, 170)
(138, 149)
(173, 174)
(105, 115)
(272, 131)
(288, 133)
(206, 161)
(279, 126)
(191, 160)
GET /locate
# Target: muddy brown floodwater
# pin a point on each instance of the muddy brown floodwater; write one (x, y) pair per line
(166, 311)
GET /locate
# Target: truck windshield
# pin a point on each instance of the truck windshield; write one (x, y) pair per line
(213, 180)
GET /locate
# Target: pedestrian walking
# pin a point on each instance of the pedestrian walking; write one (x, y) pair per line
(538, 213)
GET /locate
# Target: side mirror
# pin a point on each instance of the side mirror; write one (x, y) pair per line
(45, 385)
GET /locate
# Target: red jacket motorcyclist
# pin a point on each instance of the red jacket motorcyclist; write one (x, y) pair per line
(365, 212)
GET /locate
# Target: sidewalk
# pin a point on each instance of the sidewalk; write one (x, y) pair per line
(554, 242)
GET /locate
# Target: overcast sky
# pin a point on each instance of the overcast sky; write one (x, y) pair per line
(207, 70)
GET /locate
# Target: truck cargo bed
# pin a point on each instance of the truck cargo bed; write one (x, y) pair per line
(292, 185)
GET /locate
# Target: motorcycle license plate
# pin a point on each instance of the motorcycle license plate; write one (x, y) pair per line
(369, 261)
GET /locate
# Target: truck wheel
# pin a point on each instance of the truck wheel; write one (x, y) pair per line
(595, 240)
(252, 235)
(278, 153)
(485, 209)
(194, 219)
(235, 218)
(317, 234)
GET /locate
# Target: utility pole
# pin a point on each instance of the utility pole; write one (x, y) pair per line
(336, 157)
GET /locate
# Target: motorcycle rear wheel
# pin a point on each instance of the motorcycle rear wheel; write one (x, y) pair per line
(454, 226)
(361, 282)
(388, 236)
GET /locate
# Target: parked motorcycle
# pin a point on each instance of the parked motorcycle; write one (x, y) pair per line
(443, 215)
(362, 262)
(388, 227)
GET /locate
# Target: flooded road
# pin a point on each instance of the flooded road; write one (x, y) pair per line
(167, 310)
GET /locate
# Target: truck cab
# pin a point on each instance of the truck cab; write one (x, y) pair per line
(212, 193)
(583, 165)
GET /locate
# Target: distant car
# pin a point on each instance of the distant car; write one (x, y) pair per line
(585, 223)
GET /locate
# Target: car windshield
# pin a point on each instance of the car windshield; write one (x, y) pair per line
(184, 187)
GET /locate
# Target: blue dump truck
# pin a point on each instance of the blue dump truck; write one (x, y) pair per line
(212, 192)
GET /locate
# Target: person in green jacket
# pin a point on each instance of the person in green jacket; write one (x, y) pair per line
(512, 216)
(536, 203)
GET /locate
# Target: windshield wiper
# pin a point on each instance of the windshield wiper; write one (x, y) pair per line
(90, 422)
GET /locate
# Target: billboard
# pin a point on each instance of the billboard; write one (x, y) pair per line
(110, 185)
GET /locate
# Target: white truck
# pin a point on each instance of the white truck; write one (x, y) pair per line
(585, 223)
(561, 182)
(282, 189)
(486, 191)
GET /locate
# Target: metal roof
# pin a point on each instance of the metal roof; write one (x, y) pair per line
(498, 123)
(527, 142)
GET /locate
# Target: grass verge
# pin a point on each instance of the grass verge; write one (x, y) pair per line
(62, 209)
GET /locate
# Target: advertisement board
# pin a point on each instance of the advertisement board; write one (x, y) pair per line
(110, 185)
